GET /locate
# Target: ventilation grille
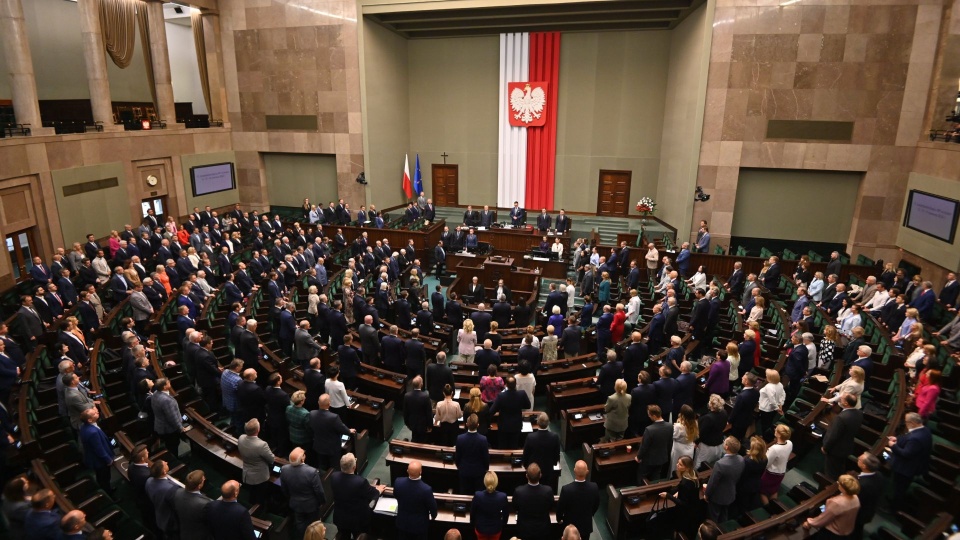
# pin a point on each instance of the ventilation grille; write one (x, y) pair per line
(816, 130)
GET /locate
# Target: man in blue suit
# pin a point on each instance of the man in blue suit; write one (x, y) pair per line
(97, 453)
(683, 259)
(352, 495)
(603, 331)
(42, 522)
(160, 490)
(911, 453)
(288, 327)
(517, 215)
(472, 457)
(416, 506)
(924, 301)
(226, 517)
(185, 300)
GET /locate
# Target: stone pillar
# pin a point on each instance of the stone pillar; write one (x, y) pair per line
(95, 59)
(218, 89)
(161, 64)
(16, 52)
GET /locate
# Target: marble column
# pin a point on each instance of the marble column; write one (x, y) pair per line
(96, 61)
(215, 77)
(161, 64)
(16, 52)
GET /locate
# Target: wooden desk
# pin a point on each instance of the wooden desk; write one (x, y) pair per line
(382, 383)
(572, 394)
(619, 468)
(586, 429)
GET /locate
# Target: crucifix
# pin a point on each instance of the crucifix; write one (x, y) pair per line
(444, 156)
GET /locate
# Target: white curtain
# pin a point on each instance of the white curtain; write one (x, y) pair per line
(512, 165)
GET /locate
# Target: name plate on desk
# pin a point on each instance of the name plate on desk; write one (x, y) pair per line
(544, 259)
(481, 228)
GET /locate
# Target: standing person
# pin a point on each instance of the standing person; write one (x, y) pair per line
(510, 404)
(742, 417)
(772, 397)
(226, 518)
(778, 454)
(711, 426)
(533, 502)
(654, 454)
(447, 417)
(167, 422)
(472, 457)
(97, 453)
(652, 257)
(327, 429)
(257, 461)
(416, 506)
(579, 501)
(543, 448)
(871, 490)
(467, 340)
(754, 465)
(190, 505)
(685, 433)
(303, 488)
(911, 453)
(160, 489)
(616, 411)
(838, 441)
(687, 515)
(721, 490)
(417, 411)
(839, 518)
(489, 511)
(352, 498)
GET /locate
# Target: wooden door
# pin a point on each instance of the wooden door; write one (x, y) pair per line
(21, 248)
(613, 199)
(445, 180)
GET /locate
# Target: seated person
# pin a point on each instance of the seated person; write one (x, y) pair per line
(557, 248)
(471, 243)
(544, 245)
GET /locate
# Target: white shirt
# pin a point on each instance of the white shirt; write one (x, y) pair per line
(880, 298)
(849, 323)
(698, 281)
(777, 457)
(811, 356)
(337, 393)
(557, 248)
(772, 397)
(633, 309)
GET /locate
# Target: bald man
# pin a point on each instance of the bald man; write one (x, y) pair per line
(416, 506)
(71, 525)
(226, 518)
(579, 501)
(327, 429)
(302, 486)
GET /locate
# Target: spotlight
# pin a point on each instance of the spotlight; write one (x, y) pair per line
(362, 178)
(700, 196)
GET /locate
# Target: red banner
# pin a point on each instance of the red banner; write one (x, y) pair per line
(528, 104)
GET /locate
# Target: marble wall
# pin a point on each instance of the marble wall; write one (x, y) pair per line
(293, 57)
(858, 61)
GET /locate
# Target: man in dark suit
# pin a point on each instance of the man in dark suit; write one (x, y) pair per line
(604, 334)
(510, 404)
(438, 375)
(722, 487)
(416, 506)
(527, 352)
(160, 490)
(744, 413)
(454, 313)
(440, 258)
(735, 283)
(518, 216)
(277, 401)
(563, 224)
(393, 350)
(327, 429)
(352, 498)
(654, 454)
(417, 412)
(288, 328)
(871, 490)
(949, 292)
(208, 373)
(369, 341)
(543, 448)
(579, 501)
(833, 267)
(609, 373)
(425, 319)
(838, 441)
(313, 382)
(533, 502)
(251, 401)
(656, 333)
(911, 453)
(305, 347)
(481, 322)
(415, 354)
(571, 337)
(475, 291)
(226, 518)
(471, 218)
(42, 521)
(97, 453)
(771, 280)
(543, 220)
(684, 387)
(472, 457)
(302, 486)
(190, 506)
(502, 312)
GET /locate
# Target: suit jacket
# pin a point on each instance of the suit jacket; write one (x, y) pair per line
(472, 454)
(533, 504)
(543, 448)
(327, 429)
(369, 340)
(502, 312)
(305, 347)
(683, 391)
(257, 459)
(417, 413)
(31, 323)
(911, 454)
(722, 486)
(77, 400)
(302, 486)
(657, 444)
(949, 293)
(166, 414)
(352, 497)
(510, 404)
(160, 492)
(872, 487)
(416, 355)
(838, 441)
(228, 520)
(438, 375)
(481, 323)
(42, 525)
(190, 508)
(96, 447)
(742, 416)
(251, 401)
(579, 501)
(415, 506)
(393, 351)
(314, 383)
(207, 368)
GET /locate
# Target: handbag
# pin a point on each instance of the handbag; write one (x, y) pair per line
(657, 518)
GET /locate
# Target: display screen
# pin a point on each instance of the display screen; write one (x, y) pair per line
(932, 215)
(209, 179)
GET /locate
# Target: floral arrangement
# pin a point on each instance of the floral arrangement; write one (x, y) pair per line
(646, 206)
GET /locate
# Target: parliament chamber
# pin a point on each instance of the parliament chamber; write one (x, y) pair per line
(531, 269)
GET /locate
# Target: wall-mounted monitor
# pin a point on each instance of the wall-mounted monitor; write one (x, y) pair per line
(207, 179)
(932, 215)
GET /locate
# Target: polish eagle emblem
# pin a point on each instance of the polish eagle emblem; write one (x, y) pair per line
(527, 104)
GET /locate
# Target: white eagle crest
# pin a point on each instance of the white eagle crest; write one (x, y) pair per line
(527, 104)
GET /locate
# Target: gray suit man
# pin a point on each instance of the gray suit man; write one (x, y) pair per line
(189, 504)
(257, 460)
(369, 340)
(304, 344)
(75, 398)
(31, 322)
(722, 486)
(167, 422)
(142, 310)
(302, 486)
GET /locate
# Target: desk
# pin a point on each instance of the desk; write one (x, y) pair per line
(619, 468)
(576, 431)
(570, 394)
(382, 383)
(517, 279)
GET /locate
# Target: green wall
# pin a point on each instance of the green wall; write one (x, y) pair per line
(214, 200)
(293, 177)
(94, 212)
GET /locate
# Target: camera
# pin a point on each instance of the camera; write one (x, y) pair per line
(700, 196)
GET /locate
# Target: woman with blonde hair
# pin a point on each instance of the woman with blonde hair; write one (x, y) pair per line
(839, 517)
(194, 258)
(828, 347)
(548, 345)
(313, 300)
(617, 411)
(852, 385)
(686, 515)
(685, 433)
(912, 317)
(163, 278)
(756, 313)
(604, 294)
(778, 454)
(113, 243)
(316, 531)
(170, 227)
(73, 326)
(494, 335)
(733, 356)
(348, 308)
(489, 511)
(710, 427)
(748, 487)
(476, 406)
(772, 398)
(467, 340)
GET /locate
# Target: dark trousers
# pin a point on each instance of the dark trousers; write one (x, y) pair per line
(833, 466)
(211, 397)
(651, 472)
(171, 441)
(419, 436)
(327, 461)
(766, 424)
(103, 478)
(901, 483)
(718, 512)
(441, 265)
(509, 440)
(470, 483)
(302, 520)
